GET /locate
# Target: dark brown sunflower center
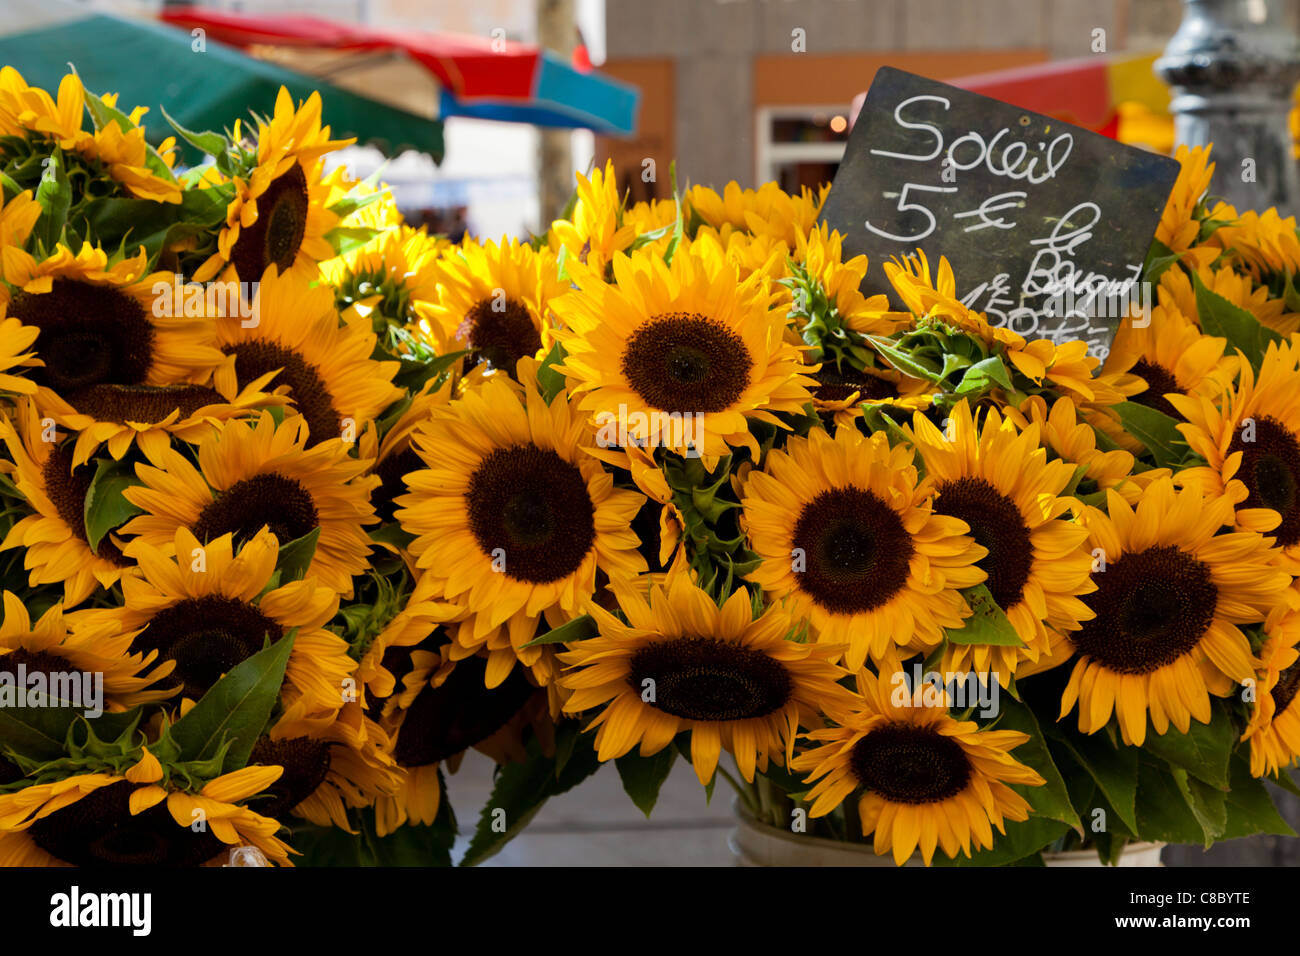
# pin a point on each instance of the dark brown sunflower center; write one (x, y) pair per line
(995, 524)
(1152, 607)
(99, 830)
(683, 362)
(264, 501)
(443, 721)
(853, 550)
(306, 764)
(1160, 382)
(145, 404)
(908, 764)
(1284, 691)
(32, 662)
(1270, 468)
(281, 224)
(312, 398)
(500, 331)
(703, 678)
(90, 334)
(392, 472)
(530, 511)
(66, 488)
(206, 637)
(836, 385)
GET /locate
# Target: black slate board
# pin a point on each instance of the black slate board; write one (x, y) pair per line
(1068, 215)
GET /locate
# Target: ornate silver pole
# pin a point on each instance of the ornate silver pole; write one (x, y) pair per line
(1233, 65)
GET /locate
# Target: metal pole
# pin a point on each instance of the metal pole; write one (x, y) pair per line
(1233, 65)
(555, 32)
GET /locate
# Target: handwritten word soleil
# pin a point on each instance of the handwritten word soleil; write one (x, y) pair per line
(1013, 161)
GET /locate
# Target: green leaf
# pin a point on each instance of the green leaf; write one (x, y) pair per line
(522, 789)
(1159, 258)
(106, 507)
(1163, 812)
(678, 225)
(981, 375)
(236, 708)
(1204, 751)
(903, 361)
(579, 629)
(295, 557)
(1154, 429)
(345, 239)
(1113, 769)
(214, 144)
(54, 195)
(1250, 808)
(35, 732)
(988, 623)
(1239, 327)
(643, 776)
(1206, 804)
(549, 379)
(1051, 800)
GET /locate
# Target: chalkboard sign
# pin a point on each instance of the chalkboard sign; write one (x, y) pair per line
(1046, 225)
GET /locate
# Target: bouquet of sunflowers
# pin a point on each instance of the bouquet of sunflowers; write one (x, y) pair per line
(299, 504)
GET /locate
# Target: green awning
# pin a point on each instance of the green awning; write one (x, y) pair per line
(153, 65)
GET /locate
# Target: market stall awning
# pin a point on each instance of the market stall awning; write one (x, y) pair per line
(483, 77)
(1116, 95)
(155, 65)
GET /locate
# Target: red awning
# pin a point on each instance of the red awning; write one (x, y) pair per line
(467, 66)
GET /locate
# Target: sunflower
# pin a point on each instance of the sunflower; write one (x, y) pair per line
(821, 253)
(513, 519)
(15, 354)
(1274, 728)
(331, 761)
(105, 323)
(494, 302)
(1252, 433)
(1180, 226)
(326, 368)
(682, 663)
(260, 475)
(50, 646)
(1075, 442)
(1263, 243)
(57, 550)
(394, 456)
(136, 819)
(999, 482)
(1241, 290)
(687, 343)
(1171, 355)
(123, 153)
(847, 537)
(278, 216)
(1067, 366)
(928, 780)
(1169, 597)
(444, 708)
(208, 608)
(766, 211)
(394, 274)
(843, 389)
(597, 228)
(150, 416)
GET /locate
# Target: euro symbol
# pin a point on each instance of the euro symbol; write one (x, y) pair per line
(1008, 200)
